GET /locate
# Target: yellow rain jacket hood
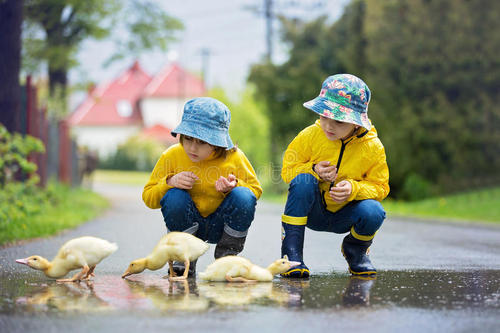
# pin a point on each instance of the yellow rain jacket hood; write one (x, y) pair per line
(360, 159)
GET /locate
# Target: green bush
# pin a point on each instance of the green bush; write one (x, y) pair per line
(135, 154)
(28, 211)
(416, 187)
(14, 151)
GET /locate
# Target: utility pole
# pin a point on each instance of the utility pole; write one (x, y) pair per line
(268, 7)
(268, 11)
(205, 55)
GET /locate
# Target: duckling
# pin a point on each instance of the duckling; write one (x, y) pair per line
(83, 252)
(174, 246)
(239, 269)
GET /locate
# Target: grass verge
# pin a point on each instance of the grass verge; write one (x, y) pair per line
(27, 213)
(480, 205)
(121, 177)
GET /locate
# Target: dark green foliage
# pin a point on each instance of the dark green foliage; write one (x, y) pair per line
(14, 152)
(434, 72)
(54, 29)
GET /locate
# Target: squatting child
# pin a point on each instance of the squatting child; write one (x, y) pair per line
(205, 185)
(338, 175)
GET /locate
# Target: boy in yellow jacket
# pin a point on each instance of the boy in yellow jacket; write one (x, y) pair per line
(204, 185)
(338, 175)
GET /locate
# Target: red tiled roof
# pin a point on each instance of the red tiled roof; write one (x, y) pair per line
(100, 107)
(159, 133)
(173, 81)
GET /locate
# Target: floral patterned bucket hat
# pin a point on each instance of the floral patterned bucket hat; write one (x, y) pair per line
(207, 119)
(343, 97)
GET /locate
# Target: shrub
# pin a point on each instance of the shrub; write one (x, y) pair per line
(416, 187)
(14, 151)
(135, 154)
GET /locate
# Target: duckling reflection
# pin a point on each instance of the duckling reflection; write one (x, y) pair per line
(238, 294)
(290, 292)
(357, 292)
(173, 296)
(65, 297)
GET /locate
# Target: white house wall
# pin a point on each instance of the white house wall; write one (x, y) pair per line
(103, 139)
(167, 112)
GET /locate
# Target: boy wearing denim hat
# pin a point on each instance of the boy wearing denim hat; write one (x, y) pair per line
(338, 175)
(205, 185)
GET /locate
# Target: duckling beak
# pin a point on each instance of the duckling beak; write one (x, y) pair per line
(127, 273)
(22, 261)
(294, 263)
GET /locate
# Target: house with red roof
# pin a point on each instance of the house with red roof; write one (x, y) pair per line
(134, 103)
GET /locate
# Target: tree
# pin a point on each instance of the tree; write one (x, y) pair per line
(434, 72)
(317, 50)
(10, 62)
(56, 28)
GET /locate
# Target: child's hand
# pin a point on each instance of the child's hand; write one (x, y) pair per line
(340, 192)
(224, 184)
(326, 171)
(183, 180)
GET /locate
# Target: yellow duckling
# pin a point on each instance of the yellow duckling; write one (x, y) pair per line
(174, 246)
(83, 252)
(239, 269)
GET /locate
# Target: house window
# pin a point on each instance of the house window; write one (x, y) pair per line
(124, 108)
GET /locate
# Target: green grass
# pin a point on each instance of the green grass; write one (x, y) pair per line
(121, 177)
(30, 214)
(480, 205)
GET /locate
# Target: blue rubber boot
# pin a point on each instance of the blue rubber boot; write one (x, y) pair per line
(355, 251)
(291, 245)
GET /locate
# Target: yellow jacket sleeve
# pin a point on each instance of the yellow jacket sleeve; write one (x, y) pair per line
(246, 176)
(297, 158)
(375, 184)
(157, 185)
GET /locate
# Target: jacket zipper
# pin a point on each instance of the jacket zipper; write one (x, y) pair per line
(341, 154)
(342, 148)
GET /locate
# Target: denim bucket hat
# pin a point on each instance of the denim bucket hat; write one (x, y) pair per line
(343, 97)
(206, 119)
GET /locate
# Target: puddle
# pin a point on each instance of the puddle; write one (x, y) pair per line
(429, 290)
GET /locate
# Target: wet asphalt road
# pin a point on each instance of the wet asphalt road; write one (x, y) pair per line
(433, 277)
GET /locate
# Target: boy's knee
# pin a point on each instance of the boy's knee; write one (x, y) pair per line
(304, 183)
(243, 198)
(372, 212)
(175, 198)
(175, 203)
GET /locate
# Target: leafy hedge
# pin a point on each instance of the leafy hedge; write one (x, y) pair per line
(28, 211)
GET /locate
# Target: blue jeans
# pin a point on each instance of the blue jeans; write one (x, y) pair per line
(304, 199)
(234, 214)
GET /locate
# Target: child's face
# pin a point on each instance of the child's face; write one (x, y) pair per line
(335, 129)
(196, 149)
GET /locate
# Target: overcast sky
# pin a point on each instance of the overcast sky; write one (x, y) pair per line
(235, 37)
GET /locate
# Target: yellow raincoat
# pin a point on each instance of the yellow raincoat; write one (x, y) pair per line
(362, 163)
(204, 195)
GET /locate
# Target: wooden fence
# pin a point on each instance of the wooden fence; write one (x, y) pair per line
(60, 160)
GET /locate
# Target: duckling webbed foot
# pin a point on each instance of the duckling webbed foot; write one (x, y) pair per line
(78, 276)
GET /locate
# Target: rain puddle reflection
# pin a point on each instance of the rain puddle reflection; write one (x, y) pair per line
(391, 289)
